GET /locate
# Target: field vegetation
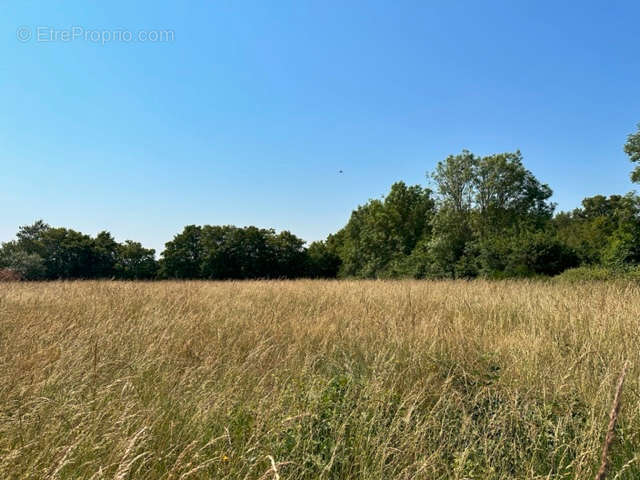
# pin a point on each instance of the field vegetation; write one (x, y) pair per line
(485, 217)
(309, 379)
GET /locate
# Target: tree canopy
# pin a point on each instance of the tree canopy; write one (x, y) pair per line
(483, 216)
(41, 252)
(229, 252)
(382, 233)
(632, 148)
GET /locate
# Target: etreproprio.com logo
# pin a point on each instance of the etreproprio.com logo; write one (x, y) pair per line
(48, 34)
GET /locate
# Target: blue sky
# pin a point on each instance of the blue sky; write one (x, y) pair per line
(247, 116)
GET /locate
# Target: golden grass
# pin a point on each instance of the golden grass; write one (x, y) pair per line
(316, 379)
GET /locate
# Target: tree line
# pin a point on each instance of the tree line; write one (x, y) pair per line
(486, 216)
(41, 252)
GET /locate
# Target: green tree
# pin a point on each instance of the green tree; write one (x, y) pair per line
(43, 252)
(229, 252)
(481, 201)
(134, 262)
(290, 256)
(182, 256)
(248, 253)
(452, 238)
(601, 221)
(323, 262)
(218, 260)
(454, 178)
(506, 194)
(105, 256)
(29, 237)
(632, 148)
(623, 247)
(67, 254)
(539, 253)
(29, 266)
(452, 224)
(381, 234)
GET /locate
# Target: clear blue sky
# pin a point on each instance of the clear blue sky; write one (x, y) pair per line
(247, 116)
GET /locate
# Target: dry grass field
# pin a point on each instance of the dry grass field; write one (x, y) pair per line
(316, 380)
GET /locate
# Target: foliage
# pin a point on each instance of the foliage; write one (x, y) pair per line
(134, 262)
(487, 216)
(539, 253)
(323, 262)
(382, 233)
(484, 204)
(182, 255)
(605, 230)
(632, 148)
(228, 252)
(599, 273)
(41, 252)
(28, 266)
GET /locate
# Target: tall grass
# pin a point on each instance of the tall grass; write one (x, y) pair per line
(313, 379)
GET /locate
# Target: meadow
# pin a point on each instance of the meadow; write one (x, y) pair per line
(317, 379)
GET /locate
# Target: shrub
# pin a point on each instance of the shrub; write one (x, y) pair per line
(599, 273)
(27, 266)
(541, 254)
(8, 275)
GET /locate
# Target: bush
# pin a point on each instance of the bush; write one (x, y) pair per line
(541, 254)
(8, 275)
(599, 273)
(528, 254)
(27, 266)
(322, 262)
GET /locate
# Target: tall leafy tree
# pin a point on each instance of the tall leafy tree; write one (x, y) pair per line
(381, 234)
(68, 254)
(602, 222)
(134, 262)
(452, 224)
(29, 237)
(454, 178)
(28, 266)
(182, 256)
(229, 252)
(105, 256)
(482, 201)
(289, 254)
(322, 260)
(43, 252)
(506, 194)
(632, 148)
